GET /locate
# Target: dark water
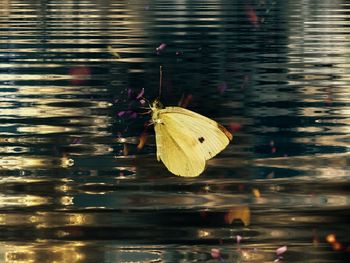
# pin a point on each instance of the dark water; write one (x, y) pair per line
(74, 187)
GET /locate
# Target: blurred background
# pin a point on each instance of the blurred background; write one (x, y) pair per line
(76, 185)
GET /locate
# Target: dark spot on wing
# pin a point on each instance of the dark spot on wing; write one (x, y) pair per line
(201, 139)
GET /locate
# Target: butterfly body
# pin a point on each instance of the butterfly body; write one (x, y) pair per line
(185, 139)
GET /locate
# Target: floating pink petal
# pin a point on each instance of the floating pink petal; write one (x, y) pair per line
(161, 47)
(140, 95)
(121, 113)
(281, 250)
(234, 127)
(185, 101)
(133, 115)
(130, 93)
(222, 88)
(252, 16)
(215, 253)
(238, 238)
(76, 141)
(79, 74)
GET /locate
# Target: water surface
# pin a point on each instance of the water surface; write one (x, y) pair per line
(74, 187)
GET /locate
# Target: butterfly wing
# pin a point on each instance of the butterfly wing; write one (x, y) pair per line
(186, 139)
(175, 150)
(211, 137)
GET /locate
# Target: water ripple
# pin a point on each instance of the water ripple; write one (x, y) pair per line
(73, 181)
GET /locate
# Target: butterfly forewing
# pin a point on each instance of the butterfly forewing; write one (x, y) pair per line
(209, 136)
(186, 139)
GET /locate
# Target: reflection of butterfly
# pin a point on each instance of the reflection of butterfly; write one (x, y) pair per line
(185, 139)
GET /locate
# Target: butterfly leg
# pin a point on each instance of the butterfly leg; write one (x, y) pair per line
(144, 113)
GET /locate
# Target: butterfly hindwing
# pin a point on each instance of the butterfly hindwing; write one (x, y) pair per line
(178, 156)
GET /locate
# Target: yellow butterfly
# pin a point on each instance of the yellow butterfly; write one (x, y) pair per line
(186, 139)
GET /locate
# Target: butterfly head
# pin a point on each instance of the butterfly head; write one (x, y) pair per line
(156, 105)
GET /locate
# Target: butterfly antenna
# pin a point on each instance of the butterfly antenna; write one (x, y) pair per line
(160, 80)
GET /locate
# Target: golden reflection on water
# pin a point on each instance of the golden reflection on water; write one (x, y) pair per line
(16, 253)
(22, 201)
(52, 220)
(45, 219)
(31, 162)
